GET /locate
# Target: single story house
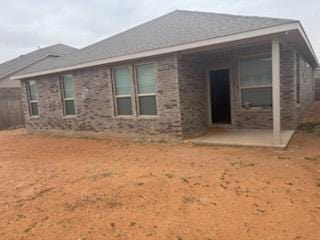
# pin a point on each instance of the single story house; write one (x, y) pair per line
(176, 76)
(11, 113)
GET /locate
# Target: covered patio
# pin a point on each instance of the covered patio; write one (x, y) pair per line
(243, 137)
(247, 72)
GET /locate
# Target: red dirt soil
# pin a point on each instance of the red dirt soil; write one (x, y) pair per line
(71, 188)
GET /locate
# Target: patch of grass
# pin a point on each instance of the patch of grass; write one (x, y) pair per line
(169, 175)
(183, 179)
(223, 186)
(283, 158)
(188, 199)
(260, 210)
(132, 224)
(94, 177)
(311, 158)
(113, 225)
(113, 204)
(310, 127)
(242, 164)
(31, 226)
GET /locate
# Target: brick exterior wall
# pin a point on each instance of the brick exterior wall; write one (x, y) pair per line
(194, 92)
(95, 108)
(307, 86)
(287, 88)
(181, 92)
(317, 84)
(193, 96)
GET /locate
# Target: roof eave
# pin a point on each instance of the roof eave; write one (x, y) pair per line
(234, 37)
(308, 43)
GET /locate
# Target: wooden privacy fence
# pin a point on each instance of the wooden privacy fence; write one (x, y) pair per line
(11, 113)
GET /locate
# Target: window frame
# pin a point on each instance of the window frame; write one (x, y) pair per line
(30, 101)
(64, 99)
(115, 96)
(138, 95)
(247, 57)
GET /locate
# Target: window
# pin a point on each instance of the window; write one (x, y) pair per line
(122, 88)
(256, 82)
(33, 98)
(67, 95)
(146, 89)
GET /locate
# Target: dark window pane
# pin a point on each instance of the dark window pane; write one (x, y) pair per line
(257, 97)
(69, 107)
(147, 105)
(124, 106)
(34, 109)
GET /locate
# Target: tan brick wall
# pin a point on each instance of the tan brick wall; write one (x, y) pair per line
(193, 96)
(95, 108)
(307, 87)
(194, 92)
(181, 92)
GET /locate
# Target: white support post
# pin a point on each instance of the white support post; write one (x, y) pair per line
(276, 92)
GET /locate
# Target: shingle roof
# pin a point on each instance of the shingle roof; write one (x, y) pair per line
(16, 64)
(175, 28)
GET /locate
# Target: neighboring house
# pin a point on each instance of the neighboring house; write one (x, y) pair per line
(176, 76)
(16, 65)
(10, 106)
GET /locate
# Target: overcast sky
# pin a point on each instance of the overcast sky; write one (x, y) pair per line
(26, 25)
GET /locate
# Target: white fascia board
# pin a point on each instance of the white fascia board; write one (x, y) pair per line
(307, 41)
(187, 46)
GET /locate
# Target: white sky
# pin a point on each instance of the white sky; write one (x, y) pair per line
(26, 25)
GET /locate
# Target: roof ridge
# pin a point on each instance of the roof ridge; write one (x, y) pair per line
(168, 31)
(128, 29)
(182, 10)
(235, 15)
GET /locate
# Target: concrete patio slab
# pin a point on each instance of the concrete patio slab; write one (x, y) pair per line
(242, 137)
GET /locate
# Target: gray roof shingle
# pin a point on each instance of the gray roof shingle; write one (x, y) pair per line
(16, 64)
(175, 28)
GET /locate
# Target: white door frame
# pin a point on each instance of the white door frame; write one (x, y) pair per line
(210, 124)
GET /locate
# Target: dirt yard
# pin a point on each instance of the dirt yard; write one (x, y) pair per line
(70, 189)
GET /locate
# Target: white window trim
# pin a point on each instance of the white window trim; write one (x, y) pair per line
(259, 55)
(145, 94)
(115, 96)
(64, 99)
(32, 101)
